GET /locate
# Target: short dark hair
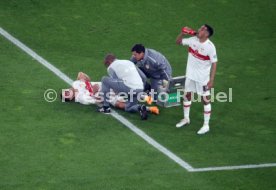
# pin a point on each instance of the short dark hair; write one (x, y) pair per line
(139, 48)
(210, 30)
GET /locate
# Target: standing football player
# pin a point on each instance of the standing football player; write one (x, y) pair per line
(200, 72)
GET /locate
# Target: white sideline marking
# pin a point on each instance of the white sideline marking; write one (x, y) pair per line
(120, 118)
(124, 121)
(267, 165)
(35, 56)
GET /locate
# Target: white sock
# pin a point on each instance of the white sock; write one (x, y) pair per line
(186, 109)
(207, 114)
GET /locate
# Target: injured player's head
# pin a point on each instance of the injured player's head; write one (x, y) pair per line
(68, 95)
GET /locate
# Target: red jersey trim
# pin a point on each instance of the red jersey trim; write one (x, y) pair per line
(196, 54)
(88, 86)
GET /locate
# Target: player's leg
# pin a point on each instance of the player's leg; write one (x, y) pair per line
(156, 85)
(205, 96)
(109, 83)
(105, 90)
(143, 96)
(189, 88)
(132, 106)
(187, 105)
(135, 108)
(153, 109)
(186, 110)
(207, 109)
(120, 103)
(106, 87)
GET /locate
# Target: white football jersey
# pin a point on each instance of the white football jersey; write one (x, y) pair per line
(83, 95)
(127, 71)
(200, 59)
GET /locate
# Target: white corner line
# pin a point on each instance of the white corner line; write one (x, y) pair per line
(117, 116)
(152, 142)
(223, 168)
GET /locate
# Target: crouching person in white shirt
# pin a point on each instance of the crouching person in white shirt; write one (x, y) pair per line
(124, 78)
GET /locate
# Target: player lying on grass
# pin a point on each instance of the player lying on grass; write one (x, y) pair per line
(86, 92)
(123, 77)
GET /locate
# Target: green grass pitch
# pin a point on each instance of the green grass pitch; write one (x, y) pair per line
(69, 146)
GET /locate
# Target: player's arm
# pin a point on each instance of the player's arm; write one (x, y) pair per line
(142, 75)
(214, 60)
(83, 76)
(179, 38)
(210, 84)
(164, 74)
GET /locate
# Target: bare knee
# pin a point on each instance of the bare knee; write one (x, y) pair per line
(187, 96)
(120, 105)
(205, 100)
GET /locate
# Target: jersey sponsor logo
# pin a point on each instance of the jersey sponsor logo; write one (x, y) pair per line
(197, 55)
